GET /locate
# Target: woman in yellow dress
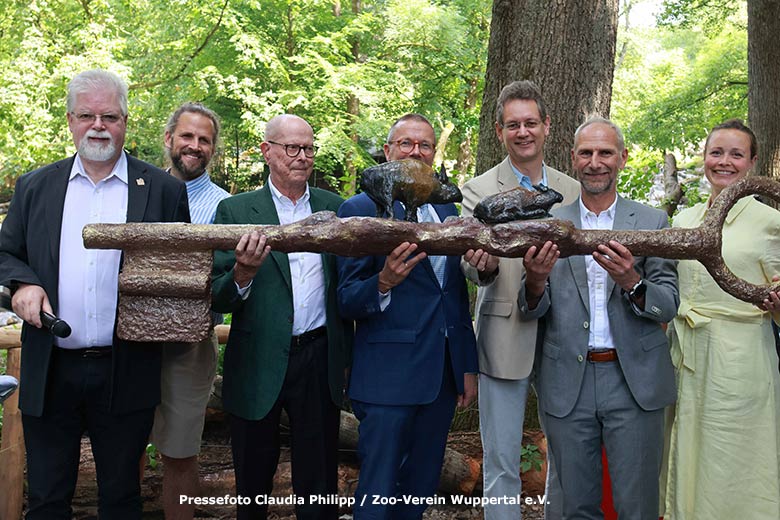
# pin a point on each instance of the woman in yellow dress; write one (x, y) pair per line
(724, 444)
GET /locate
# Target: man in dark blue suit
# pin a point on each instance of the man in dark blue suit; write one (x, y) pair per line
(414, 356)
(90, 381)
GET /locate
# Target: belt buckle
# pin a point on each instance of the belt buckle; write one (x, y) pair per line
(95, 353)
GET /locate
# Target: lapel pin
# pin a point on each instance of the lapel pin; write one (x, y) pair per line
(139, 182)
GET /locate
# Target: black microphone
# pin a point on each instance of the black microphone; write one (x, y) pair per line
(56, 326)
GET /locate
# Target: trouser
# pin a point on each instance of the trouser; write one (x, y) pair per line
(314, 429)
(607, 412)
(77, 400)
(401, 452)
(501, 415)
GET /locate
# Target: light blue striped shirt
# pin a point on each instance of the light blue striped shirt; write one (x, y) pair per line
(204, 196)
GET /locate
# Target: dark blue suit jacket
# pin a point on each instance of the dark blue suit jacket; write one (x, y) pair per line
(398, 356)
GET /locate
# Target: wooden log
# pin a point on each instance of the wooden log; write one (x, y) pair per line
(10, 337)
(12, 448)
(222, 333)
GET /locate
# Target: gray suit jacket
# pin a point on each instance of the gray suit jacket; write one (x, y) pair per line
(643, 351)
(505, 344)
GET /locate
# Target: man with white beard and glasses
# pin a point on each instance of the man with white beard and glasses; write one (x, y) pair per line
(188, 369)
(90, 381)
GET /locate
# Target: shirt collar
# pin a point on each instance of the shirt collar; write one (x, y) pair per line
(198, 183)
(524, 180)
(610, 211)
(119, 170)
(280, 197)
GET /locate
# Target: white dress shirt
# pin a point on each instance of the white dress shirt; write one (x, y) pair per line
(308, 280)
(88, 278)
(599, 333)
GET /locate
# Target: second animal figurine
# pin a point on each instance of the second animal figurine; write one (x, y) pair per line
(409, 181)
(517, 204)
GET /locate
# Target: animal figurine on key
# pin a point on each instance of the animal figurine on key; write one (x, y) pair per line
(409, 181)
(517, 204)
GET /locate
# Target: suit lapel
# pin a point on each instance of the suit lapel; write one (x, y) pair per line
(316, 202)
(507, 180)
(264, 212)
(625, 218)
(55, 203)
(138, 185)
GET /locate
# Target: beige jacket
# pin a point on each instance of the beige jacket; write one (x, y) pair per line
(505, 344)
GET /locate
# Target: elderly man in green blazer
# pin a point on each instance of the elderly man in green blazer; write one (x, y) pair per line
(288, 348)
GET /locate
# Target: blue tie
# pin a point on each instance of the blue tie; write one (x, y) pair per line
(439, 263)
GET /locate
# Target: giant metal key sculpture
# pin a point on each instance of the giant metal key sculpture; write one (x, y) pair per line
(165, 285)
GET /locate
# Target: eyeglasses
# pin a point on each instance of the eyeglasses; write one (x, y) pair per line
(512, 126)
(292, 150)
(407, 145)
(86, 117)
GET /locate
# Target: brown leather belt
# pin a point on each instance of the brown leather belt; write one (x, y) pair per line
(602, 356)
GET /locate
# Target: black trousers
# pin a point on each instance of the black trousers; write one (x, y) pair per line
(314, 427)
(77, 400)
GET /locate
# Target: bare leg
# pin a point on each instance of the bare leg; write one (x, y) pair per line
(180, 477)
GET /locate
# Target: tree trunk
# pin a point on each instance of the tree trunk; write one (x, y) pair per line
(672, 190)
(764, 83)
(465, 156)
(353, 109)
(567, 47)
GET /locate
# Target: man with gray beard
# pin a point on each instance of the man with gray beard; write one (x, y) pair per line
(90, 381)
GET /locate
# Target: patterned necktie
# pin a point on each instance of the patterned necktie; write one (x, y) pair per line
(439, 263)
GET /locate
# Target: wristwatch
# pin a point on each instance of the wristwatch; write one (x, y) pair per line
(638, 290)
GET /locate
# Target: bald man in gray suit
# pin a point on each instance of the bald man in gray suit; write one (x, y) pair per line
(605, 372)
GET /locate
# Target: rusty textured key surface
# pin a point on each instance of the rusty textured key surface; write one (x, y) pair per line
(165, 284)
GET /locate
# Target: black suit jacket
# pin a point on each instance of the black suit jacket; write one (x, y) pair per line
(30, 253)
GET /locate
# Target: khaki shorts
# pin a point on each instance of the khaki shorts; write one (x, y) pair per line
(187, 377)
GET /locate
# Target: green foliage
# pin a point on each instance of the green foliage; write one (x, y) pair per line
(152, 455)
(637, 177)
(227, 319)
(248, 60)
(710, 14)
(675, 84)
(676, 81)
(530, 458)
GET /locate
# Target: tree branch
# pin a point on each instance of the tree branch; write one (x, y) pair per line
(189, 59)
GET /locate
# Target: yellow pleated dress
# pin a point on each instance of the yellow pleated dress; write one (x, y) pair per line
(724, 433)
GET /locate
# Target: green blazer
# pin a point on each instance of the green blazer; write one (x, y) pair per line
(259, 343)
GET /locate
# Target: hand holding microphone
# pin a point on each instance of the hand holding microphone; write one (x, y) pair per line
(28, 302)
(56, 326)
